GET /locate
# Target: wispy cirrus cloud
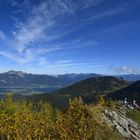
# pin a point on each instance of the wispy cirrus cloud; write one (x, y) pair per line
(107, 13)
(37, 35)
(68, 66)
(34, 30)
(72, 63)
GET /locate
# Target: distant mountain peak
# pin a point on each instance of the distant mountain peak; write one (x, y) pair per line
(14, 72)
(18, 73)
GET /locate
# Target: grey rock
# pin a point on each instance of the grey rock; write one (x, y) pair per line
(125, 126)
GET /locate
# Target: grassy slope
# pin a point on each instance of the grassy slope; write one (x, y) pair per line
(132, 92)
(134, 115)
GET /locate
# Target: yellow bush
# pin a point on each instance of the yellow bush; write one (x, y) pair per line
(101, 101)
(25, 121)
(22, 121)
(76, 122)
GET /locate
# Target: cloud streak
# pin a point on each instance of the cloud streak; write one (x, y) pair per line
(38, 34)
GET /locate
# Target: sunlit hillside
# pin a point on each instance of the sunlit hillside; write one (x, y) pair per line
(25, 121)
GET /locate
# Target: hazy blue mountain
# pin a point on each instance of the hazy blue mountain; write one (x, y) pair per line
(20, 82)
(26, 83)
(18, 78)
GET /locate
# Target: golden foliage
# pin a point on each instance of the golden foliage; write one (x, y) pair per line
(101, 101)
(76, 122)
(25, 121)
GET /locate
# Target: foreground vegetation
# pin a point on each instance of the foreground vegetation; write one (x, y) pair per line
(25, 121)
(134, 115)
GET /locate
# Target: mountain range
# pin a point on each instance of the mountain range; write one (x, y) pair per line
(59, 89)
(91, 89)
(19, 78)
(20, 82)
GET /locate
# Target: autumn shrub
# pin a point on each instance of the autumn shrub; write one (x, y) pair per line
(25, 121)
(101, 101)
(76, 122)
(21, 121)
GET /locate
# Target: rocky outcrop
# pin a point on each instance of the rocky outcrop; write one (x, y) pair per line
(127, 127)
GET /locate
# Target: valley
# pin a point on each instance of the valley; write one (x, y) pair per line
(28, 90)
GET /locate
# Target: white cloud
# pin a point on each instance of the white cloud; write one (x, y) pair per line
(44, 25)
(38, 25)
(71, 63)
(71, 66)
(107, 13)
(43, 19)
(27, 37)
(125, 70)
(17, 58)
(30, 55)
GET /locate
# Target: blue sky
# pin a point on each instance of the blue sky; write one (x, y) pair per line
(70, 36)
